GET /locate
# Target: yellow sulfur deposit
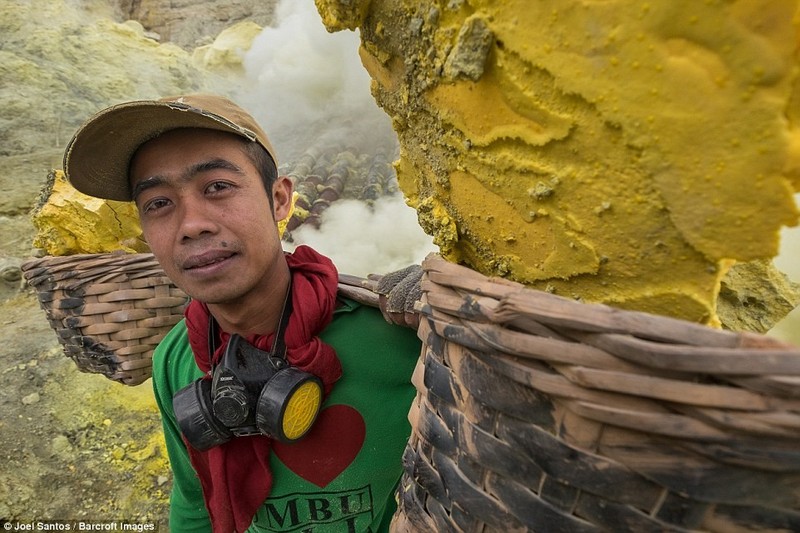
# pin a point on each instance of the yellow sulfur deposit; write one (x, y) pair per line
(627, 152)
(69, 222)
(225, 54)
(292, 208)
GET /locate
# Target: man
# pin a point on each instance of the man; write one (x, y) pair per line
(204, 178)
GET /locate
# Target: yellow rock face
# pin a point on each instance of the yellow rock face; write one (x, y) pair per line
(226, 53)
(621, 151)
(69, 222)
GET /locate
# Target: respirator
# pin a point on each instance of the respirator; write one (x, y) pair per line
(251, 392)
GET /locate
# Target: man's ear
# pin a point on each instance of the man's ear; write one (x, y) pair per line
(282, 197)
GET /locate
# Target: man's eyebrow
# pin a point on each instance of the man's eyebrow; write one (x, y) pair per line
(198, 168)
(212, 164)
(145, 184)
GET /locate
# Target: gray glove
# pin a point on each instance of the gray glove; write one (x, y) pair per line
(398, 292)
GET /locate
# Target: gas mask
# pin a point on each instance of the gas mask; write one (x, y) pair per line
(251, 392)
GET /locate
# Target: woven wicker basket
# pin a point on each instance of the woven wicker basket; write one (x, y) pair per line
(540, 413)
(109, 311)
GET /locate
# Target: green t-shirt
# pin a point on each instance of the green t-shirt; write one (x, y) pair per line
(344, 478)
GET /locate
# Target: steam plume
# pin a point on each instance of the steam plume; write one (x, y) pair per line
(307, 87)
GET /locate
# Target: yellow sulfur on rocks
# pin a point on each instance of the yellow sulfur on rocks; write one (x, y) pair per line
(69, 222)
(624, 152)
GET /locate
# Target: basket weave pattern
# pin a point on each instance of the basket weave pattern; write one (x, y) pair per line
(539, 413)
(109, 311)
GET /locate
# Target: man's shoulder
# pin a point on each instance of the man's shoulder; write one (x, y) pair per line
(173, 360)
(176, 337)
(355, 324)
(351, 314)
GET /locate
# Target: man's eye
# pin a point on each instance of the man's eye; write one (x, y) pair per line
(218, 186)
(154, 205)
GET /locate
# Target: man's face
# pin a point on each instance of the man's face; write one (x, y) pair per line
(206, 215)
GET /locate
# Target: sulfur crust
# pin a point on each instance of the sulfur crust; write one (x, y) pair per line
(621, 151)
(69, 222)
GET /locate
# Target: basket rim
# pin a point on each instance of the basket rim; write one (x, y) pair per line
(551, 308)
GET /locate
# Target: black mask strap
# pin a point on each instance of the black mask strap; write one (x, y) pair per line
(278, 349)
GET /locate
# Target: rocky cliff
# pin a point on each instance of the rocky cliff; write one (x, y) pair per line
(190, 24)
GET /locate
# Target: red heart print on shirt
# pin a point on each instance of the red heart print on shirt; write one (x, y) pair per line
(328, 449)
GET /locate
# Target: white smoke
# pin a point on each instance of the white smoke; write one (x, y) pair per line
(788, 262)
(386, 238)
(306, 84)
(307, 87)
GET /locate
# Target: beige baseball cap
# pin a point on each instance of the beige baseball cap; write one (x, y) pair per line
(97, 158)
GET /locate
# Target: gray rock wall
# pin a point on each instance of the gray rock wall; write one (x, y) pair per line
(188, 23)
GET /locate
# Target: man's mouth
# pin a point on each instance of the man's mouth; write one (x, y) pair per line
(206, 259)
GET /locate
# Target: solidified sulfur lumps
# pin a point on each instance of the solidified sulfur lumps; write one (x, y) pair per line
(69, 222)
(622, 151)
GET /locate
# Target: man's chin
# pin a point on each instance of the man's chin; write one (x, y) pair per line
(210, 296)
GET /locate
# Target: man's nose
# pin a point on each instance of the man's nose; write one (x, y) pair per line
(195, 221)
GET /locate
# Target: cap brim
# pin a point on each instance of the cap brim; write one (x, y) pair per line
(97, 158)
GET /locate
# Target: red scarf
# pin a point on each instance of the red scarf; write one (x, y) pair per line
(235, 476)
